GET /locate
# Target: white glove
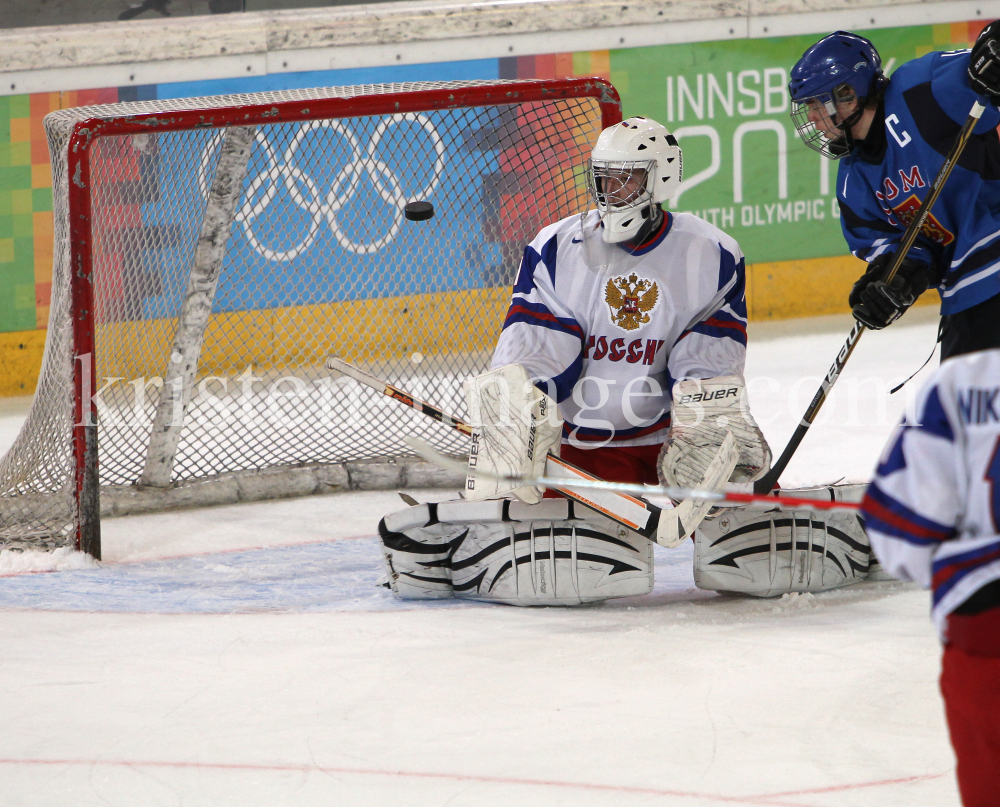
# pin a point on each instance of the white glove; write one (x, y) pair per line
(515, 426)
(703, 411)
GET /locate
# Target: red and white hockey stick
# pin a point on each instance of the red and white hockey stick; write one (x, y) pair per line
(425, 450)
(666, 526)
(631, 512)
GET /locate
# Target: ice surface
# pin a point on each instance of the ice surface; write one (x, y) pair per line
(243, 655)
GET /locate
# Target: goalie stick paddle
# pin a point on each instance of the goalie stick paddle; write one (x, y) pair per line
(665, 526)
(767, 482)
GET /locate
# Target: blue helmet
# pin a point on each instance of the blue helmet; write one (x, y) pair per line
(830, 86)
(840, 58)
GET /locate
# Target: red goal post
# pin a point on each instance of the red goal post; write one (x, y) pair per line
(231, 242)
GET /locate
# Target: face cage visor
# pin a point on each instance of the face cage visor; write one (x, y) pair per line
(620, 186)
(815, 120)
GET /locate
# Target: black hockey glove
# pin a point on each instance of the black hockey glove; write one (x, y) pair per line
(984, 62)
(875, 303)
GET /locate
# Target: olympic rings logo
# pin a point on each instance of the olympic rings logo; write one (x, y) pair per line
(304, 192)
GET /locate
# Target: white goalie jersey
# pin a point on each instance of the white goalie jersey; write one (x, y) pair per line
(606, 329)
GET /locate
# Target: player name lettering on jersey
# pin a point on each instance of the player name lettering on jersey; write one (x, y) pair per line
(909, 180)
(614, 349)
(977, 406)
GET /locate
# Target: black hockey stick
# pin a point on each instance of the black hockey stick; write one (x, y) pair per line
(766, 483)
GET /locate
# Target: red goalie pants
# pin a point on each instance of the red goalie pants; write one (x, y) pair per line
(625, 464)
(970, 685)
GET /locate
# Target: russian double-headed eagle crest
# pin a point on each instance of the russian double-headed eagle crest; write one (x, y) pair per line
(629, 299)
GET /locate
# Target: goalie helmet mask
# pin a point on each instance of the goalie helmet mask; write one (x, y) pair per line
(635, 166)
(830, 86)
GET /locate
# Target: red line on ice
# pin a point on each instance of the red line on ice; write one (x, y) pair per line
(761, 799)
(835, 788)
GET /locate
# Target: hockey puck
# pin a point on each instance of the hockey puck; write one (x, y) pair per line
(418, 211)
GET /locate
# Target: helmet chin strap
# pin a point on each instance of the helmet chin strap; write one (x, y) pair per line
(847, 125)
(653, 214)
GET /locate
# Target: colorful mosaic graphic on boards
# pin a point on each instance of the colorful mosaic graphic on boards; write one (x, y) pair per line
(715, 95)
(26, 203)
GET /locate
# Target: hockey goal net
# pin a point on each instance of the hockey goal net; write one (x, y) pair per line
(211, 252)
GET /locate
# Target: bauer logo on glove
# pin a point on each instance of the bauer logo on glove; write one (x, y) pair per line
(703, 411)
(515, 426)
(711, 395)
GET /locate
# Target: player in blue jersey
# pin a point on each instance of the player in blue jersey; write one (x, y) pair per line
(891, 137)
(933, 516)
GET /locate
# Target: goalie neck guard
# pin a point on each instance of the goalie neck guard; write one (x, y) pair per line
(635, 166)
(830, 86)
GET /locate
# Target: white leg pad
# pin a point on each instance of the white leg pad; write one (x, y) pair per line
(767, 554)
(511, 552)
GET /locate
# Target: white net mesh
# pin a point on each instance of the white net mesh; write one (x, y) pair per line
(319, 260)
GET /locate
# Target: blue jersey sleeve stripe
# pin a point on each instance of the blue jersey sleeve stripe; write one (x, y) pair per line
(983, 258)
(720, 329)
(736, 297)
(525, 282)
(935, 420)
(549, 258)
(564, 382)
(854, 221)
(885, 514)
(727, 266)
(537, 314)
(950, 571)
(978, 245)
(895, 460)
(938, 130)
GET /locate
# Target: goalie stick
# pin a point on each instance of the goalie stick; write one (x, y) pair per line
(666, 526)
(711, 497)
(770, 479)
(636, 514)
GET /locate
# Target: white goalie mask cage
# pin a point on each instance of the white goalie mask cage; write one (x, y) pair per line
(634, 165)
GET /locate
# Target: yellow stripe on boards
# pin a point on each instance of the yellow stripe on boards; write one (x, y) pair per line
(390, 328)
(806, 288)
(382, 329)
(20, 359)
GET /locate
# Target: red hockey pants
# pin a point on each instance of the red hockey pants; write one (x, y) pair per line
(970, 685)
(625, 464)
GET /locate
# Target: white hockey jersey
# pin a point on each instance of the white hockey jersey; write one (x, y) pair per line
(932, 511)
(606, 329)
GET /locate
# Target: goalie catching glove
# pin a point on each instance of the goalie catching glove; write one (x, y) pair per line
(703, 411)
(515, 426)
